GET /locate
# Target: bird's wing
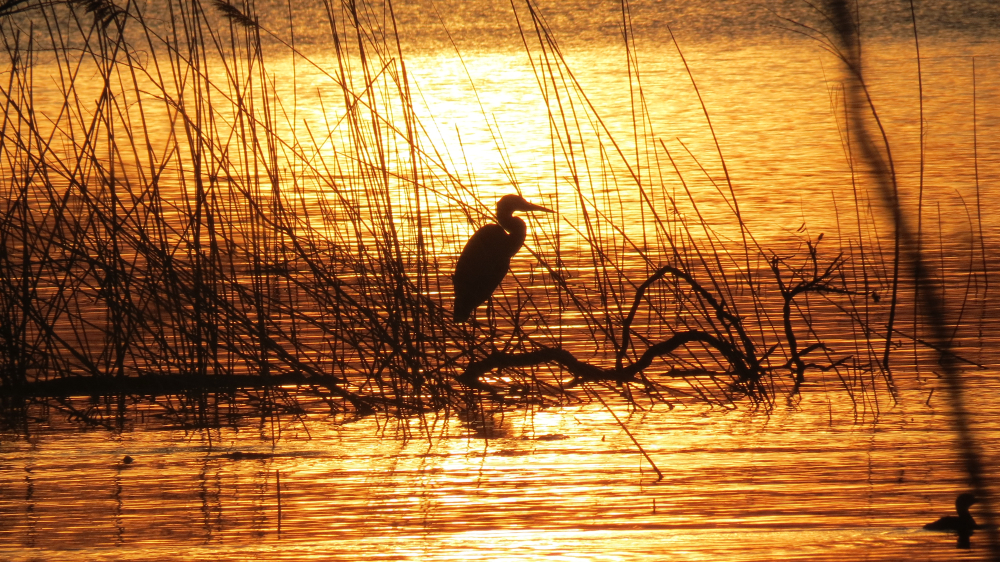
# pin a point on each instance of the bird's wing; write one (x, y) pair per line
(482, 265)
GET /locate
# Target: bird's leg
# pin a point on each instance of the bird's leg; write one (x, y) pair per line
(472, 332)
(471, 329)
(517, 332)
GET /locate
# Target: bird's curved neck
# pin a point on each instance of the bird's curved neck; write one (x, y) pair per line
(516, 228)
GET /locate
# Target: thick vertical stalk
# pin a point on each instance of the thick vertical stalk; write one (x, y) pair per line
(860, 103)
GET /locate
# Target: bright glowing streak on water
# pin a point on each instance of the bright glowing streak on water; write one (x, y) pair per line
(805, 483)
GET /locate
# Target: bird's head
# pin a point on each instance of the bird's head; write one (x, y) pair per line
(510, 203)
(964, 501)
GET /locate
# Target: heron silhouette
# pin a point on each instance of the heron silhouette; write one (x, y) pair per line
(486, 257)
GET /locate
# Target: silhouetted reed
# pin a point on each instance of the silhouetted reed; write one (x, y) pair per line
(175, 233)
(911, 264)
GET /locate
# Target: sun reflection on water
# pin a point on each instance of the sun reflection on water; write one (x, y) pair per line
(563, 483)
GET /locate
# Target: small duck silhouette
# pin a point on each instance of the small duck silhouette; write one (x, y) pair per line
(963, 523)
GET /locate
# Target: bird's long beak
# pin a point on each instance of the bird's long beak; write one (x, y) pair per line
(533, 207)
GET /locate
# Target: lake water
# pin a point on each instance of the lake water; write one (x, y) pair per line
(807, 482)
(816, 476)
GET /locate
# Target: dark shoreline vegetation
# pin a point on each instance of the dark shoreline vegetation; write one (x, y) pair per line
(174, 235)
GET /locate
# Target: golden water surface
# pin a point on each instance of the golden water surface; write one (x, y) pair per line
(807, 482)
(825, 475)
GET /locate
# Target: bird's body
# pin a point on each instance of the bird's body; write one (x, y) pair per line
(963, 523)
(486, 257)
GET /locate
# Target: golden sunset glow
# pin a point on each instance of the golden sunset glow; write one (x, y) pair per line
(267, 291)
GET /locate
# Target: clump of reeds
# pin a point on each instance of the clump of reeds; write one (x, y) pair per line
(174, 233)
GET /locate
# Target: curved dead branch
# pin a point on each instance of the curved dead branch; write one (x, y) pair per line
(585, 372)
(748, 360)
